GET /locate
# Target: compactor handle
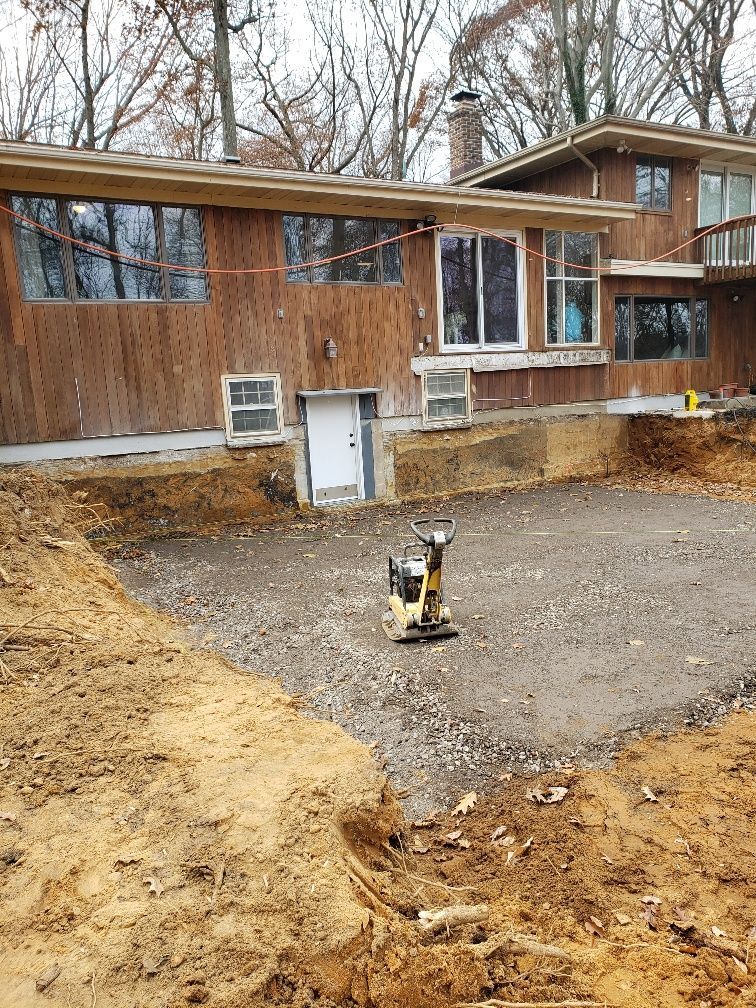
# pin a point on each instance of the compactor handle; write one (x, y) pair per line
(427, 537)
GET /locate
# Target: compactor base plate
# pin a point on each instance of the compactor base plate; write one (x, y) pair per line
(395, 632)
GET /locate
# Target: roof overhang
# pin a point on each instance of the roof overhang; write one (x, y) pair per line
(610, 131)
(40, 168)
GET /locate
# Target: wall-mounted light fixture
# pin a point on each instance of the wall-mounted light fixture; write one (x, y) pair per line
(330, 348)
(428, 221)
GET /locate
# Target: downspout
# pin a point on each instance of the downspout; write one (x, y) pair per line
(589, 164)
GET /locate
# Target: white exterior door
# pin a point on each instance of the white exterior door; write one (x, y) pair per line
(334, 448)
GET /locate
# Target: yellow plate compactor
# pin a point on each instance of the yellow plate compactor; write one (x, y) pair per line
(417, 609)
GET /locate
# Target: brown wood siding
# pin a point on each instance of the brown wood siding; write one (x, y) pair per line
(732, 339)
(157, 367)
(652, 233)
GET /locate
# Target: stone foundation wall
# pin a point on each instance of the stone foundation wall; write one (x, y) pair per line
(516, 453)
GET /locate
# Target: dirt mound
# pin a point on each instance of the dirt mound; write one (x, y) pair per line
(721, 449)
(174, 831)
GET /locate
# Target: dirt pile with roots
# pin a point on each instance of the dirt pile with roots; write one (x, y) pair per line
(174, 831)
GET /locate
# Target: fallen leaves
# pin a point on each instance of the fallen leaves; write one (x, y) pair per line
(465, 804)
(8, 816)
(551, 796)
(693, 660)
(648, 794)
(594, 927)
(156, 887)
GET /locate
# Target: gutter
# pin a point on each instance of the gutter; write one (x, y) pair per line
(589, 164)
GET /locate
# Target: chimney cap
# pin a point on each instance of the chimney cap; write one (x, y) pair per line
(464, 95)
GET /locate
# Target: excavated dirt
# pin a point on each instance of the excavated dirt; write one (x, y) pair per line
(174, 832)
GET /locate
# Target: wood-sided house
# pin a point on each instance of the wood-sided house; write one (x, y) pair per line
(304, 381)
(685, 321)
(316, 365)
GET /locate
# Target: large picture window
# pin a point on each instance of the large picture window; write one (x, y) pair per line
(480, 290)
(51, 268)
(660, 328)
(571, 292)
(310, 238)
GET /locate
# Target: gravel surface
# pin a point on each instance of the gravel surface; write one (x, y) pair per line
(587, 616)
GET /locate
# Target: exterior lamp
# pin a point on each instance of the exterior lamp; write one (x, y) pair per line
(331, 350)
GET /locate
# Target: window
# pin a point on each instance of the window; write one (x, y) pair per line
(309, 238)
(724, 194)
(652, 182)
(660, 328)
(446, 396)
(571, 294)
(480, 291)
(252, 406)
(51, 268)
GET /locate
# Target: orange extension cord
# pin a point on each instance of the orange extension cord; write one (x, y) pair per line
(347, 255)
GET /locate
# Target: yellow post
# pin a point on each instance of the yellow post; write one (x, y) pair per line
(691, 400)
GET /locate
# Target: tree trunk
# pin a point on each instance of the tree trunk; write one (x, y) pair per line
(224, 81)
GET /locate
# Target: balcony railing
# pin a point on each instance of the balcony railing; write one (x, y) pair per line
(729, 250)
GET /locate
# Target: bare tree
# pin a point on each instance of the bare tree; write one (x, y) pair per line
(210, 50)
(29, 71)
(107, 57)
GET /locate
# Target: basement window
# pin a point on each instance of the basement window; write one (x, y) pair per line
(571, 290)
(652, 182)
(310, 238)
(252, 405)
(52, 268)
(660, 328)
(446, 396)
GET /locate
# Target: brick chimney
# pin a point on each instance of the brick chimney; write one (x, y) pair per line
(465, 133)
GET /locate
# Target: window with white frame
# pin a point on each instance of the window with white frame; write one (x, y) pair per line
(446, 396)
(252, 405)
(571, 288)
(480, 289)
(725, 193)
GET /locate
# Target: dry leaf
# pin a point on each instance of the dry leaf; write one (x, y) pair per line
(4, 764)
(718, 932)
(454, 835)
(740, 964)
(692, 660)
(497, 833)
(477, 615)
(651, 899)
(463, 843)
(465, 803)
(519, 645)
(551, 796)
(622, 918)
(594, 927)
(127, 859)
(155, 886)
(481, 645)
(636, 643)
(8, 816)
(310, 556)
(648, 794)
(649, 916)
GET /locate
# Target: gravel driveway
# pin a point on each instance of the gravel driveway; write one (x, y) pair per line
(586, 614)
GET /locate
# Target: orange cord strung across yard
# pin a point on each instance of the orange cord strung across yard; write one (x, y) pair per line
(100, 250)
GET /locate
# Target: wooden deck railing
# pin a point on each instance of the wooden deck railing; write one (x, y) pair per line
(728, 251)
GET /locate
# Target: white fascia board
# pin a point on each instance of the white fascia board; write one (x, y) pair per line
(636, 267)
(510, 361)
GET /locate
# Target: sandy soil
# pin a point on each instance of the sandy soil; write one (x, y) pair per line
(173, 832)
(587, 615)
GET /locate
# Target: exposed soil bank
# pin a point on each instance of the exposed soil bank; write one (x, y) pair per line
(721, 448)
